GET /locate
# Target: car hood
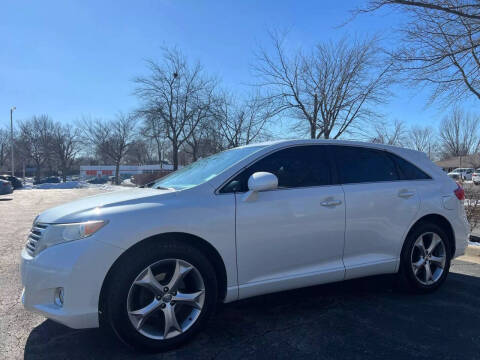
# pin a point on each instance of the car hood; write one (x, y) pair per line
(93, 207)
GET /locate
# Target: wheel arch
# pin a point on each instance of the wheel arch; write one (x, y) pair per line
(193, 240)
(439, 220)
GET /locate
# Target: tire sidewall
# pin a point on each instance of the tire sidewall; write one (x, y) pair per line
(405, 265)
(130, 267)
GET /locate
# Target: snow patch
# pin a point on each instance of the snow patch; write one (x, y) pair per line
(62, 185)
(71, 185)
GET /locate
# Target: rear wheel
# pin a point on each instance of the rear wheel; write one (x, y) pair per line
(160, 295)
(425, 259)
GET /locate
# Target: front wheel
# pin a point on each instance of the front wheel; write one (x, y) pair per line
(425, 259)
(160, 295)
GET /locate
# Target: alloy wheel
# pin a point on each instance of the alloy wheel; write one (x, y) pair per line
(428, 258)
(166, 299)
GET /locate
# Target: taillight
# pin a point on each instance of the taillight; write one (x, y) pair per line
(459, 192)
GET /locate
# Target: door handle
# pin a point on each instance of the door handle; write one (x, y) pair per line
(330, 203)
(406, 194)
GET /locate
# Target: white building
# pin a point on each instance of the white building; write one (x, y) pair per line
(89, 171)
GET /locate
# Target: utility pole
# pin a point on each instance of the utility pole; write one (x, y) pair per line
(11, 138)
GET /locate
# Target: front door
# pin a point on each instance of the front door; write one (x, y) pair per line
(292, 236)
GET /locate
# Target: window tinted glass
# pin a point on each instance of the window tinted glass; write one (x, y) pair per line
(299, 166)
(409, 171)
(357, 165)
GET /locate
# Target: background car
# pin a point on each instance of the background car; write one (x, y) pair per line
(476, 176)
(48, 180)
(461, 174)
(5, 187)
(14, 181)
(97, 180)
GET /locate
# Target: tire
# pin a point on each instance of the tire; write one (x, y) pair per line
(412, 257)
(164, 259)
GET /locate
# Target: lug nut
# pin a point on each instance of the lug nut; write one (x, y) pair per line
(162, 305)
(158, 297)
(165, 289)
(174, 293)
(172, 302)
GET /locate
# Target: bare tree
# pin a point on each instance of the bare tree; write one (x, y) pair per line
(423, 139)
(154, 130)
(200, 122)
(390, 134)
(139, 153)
(474, 161)
(174, 94)
(328, 89)
(197, 138)
(65, 146)
(464, 9)
(459, 134)
(35, 141)
(241, 122)
(440, 45)
(111, 139)
(4, 144)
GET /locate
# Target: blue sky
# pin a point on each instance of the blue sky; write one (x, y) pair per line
(73, 58)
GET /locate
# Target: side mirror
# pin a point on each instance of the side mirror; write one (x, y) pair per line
(260, 181)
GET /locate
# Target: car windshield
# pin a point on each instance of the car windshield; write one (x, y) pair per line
(205, 169)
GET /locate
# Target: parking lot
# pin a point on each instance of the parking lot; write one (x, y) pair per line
(360, 319)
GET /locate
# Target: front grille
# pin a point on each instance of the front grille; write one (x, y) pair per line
(34, 236)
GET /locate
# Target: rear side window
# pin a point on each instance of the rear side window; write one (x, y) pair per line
(408, 171)
(360, 165)
(295, 167)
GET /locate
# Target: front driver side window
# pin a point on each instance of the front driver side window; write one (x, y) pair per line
(299, 166)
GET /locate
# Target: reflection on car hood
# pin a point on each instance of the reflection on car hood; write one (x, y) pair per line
(91, 207)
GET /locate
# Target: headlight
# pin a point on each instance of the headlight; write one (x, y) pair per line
(60, 233)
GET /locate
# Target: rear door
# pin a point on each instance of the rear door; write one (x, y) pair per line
(380, 207)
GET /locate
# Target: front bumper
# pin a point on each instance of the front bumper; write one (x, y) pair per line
(79, 267)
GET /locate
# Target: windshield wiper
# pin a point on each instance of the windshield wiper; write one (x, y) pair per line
(164, 188)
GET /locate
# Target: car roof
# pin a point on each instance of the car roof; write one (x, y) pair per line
(290, 142)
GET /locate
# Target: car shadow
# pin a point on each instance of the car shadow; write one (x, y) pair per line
(359, 319)
(6, 199)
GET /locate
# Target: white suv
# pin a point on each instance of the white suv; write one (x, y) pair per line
(461, 174)
(153, 263)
